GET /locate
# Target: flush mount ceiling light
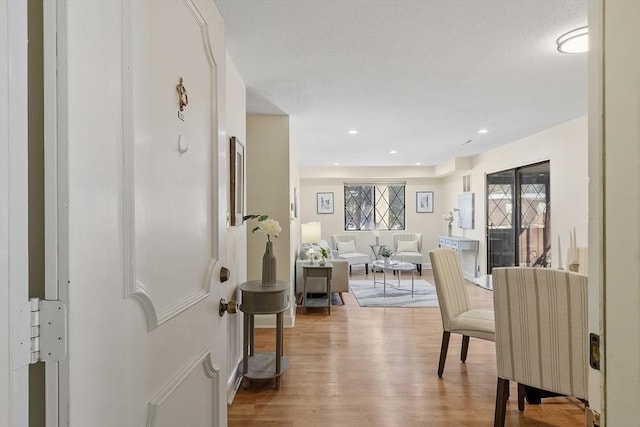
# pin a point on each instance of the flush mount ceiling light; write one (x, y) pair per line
(483, 131)
(574, 41)
(393, 152)
(353, 132)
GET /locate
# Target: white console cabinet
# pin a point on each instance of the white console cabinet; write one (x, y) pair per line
(462, 244)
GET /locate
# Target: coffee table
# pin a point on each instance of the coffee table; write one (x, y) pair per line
(394, 266)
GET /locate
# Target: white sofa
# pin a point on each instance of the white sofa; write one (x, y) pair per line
(339, 277)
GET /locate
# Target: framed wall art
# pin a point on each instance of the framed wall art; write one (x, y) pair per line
(424, 201)
(237, 180)
(325, 203)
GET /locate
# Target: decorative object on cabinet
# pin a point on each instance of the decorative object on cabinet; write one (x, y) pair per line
(325, 203)
(449, 217)
(424, 201)
(237, 180)
(465, 211)
(271, 228)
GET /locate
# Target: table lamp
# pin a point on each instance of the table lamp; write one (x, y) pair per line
(311, 234)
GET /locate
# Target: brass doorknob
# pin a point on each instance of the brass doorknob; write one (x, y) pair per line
(230, 307)
(224, 274)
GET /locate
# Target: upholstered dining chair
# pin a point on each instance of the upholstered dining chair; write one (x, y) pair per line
(344, 247)
(408, 247)
(541, 332)
(457, 315)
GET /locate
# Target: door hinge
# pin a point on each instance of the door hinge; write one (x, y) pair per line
(48, 330)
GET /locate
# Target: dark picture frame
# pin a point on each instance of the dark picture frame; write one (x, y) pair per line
(237, 168)
(424, 201)
(325, 203)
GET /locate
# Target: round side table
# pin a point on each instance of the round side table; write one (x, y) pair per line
(258, 299)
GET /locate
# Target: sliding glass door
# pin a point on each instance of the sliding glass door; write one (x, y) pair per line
(518, 213)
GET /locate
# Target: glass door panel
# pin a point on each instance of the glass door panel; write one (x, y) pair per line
(500, 220)
(534, 237)
(518, 212)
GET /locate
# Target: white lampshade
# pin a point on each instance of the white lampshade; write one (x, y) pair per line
(311, 232)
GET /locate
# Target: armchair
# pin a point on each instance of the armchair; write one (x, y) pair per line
(345, 245)
(408, 247)
(541, 332)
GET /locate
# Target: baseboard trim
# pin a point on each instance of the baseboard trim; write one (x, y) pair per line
(233, 385)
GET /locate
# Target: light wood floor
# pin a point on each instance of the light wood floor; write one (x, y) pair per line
(377, 367)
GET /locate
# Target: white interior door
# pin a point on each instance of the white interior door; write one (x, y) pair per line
(145, 210)
(14, 311)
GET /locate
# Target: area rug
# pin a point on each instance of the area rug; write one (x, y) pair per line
(424, 294)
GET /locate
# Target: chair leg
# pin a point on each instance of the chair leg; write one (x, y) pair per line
(520, 397)
(341, 297)
(419, 267)
(465, 348)
(443, 351)
(366, 269)
(502, 392)
(349, 270)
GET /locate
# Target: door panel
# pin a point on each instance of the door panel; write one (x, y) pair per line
(146, 214)
(169, 206)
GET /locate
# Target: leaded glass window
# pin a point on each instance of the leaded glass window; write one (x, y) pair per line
(366, 206)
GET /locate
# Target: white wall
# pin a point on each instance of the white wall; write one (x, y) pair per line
(236, 236)
(269, 189)
(565, 146)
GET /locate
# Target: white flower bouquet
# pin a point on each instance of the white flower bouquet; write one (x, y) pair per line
(449, 216)
(266, 225)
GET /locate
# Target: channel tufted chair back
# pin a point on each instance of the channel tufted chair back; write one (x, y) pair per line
(541, 332)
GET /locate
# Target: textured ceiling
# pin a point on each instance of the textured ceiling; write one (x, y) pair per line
(417, 76)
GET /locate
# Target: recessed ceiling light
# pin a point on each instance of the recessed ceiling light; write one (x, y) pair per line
(483, 131)
(353, 132)
(336, 164)
(574, 41)
(393, 152)
(418, 163)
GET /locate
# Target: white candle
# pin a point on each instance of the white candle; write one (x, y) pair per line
(559, 254)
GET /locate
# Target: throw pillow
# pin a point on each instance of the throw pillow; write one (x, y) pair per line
(347, 247)
(408, 246)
